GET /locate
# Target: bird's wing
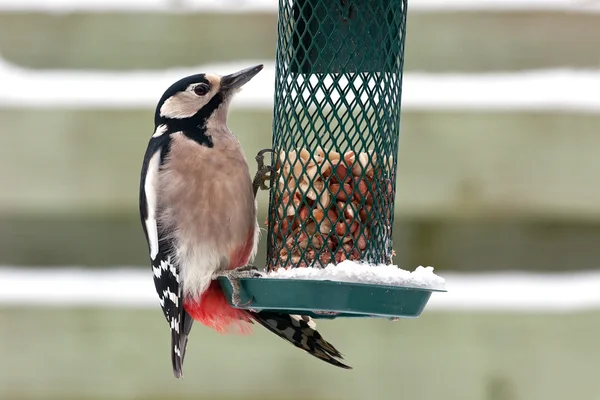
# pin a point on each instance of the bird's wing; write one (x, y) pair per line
(166, 273)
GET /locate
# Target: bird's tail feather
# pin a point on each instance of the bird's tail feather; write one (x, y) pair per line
(179, 338)
(301, 331)
(177, 353)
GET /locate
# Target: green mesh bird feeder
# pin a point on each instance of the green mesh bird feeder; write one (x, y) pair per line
(336, 125)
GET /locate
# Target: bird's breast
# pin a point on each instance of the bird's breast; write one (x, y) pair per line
(207, 203)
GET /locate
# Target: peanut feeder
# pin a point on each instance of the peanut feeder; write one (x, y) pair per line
(335, 131)
(336, 124)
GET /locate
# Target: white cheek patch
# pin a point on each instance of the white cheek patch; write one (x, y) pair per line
(186, 104)
(183, 105)
(150, 189)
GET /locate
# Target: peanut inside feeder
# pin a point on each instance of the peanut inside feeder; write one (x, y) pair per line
(325, 206)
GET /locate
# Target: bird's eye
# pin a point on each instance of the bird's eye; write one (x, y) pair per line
(201, 90)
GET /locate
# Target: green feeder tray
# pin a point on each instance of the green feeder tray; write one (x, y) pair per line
(323, 299)
(336, 125)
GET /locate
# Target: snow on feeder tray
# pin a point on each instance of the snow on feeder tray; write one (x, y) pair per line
(336, 124)
(347, 289)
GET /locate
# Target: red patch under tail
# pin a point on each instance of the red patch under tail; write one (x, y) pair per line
(213, 310)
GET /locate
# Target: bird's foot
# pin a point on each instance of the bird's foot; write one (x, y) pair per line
(234, 276)
(263, 172)
(260, 157)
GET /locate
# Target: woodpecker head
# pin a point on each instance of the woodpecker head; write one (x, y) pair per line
(199, 100)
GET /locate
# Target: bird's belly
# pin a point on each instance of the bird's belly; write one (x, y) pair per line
(221, 234)
(208, 207)
(216, 226)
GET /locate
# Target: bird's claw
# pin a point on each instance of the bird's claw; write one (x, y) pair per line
(260, 157)
(263, 172)
(233, 276)
(245, 270)
(242, 305)
(263, 175)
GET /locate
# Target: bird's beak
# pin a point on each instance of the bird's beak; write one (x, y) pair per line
(238, 79)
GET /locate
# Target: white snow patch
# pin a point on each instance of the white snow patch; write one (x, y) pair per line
(360, 272)
(507, 291)
(540, 90)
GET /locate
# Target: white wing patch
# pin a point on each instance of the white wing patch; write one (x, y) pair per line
(175, 324)
(150, 188)
(164, 266)
(172, 296)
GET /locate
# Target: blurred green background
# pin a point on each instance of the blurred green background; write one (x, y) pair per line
(477, 192)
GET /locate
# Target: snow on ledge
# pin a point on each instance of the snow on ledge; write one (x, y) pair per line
(132, 287)
(537, 90)
(360, 272)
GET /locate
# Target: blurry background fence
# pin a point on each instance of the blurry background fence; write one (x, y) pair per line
(497, 172)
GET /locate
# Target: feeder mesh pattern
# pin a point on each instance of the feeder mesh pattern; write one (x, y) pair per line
(335, 131)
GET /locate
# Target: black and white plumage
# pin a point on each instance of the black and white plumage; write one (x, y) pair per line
(198, 212)
(301, 331)
(166, 272)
